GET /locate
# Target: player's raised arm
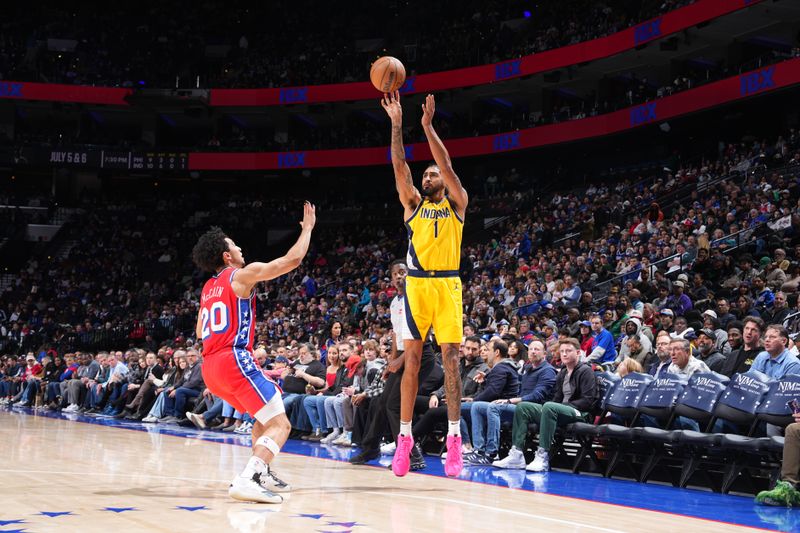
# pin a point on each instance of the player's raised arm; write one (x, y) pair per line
(456, 191)
(251, 274)
(409, 195)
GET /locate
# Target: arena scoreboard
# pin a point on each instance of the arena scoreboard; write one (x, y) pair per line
(104, 159)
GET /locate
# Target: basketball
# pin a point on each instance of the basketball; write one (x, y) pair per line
(387, 74)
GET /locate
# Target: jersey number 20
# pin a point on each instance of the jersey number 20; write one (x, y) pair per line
(216, 321)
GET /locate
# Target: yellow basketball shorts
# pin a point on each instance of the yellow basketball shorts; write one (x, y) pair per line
(434, 302)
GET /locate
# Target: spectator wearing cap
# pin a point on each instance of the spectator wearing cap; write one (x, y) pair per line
(679, 302)
(602, 349)
(711, 321)
(585, 336)
(776, 360)
(550, 331)
(666, 320)
(31, 377)
(707, 347)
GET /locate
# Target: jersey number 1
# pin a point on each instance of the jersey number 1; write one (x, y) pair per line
(216, 321)
(435, 229)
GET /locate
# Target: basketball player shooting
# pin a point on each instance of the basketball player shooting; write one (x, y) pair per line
(226, 326)
(435, 221)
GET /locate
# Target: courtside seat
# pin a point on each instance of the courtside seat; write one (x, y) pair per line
(663, 436)
(696, 438)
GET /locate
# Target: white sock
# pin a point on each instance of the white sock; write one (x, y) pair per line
(254, 465)
(405, 428)
(454, 428)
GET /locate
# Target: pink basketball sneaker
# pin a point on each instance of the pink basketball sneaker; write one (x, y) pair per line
(454, 462)
(401, 461)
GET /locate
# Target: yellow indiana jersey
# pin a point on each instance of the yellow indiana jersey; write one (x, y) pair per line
(434, 236)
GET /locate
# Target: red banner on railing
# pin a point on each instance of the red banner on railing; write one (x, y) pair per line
(667, 24)
(763, 80)
(54, 92)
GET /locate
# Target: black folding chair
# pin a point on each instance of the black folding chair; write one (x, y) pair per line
(737, 405)
(656, 410)
(623, 403)
(696, 402)
(763, 453)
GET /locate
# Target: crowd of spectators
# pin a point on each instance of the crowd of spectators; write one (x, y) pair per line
(240, 44)
(679, 288)
(358, 129)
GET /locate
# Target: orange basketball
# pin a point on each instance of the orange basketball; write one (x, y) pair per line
(387, 74)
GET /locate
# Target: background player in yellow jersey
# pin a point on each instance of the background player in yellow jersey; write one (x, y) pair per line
(435, 221)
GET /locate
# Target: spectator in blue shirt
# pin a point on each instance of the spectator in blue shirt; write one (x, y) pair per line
(603, 349)
(571, 294)
(765, 298)
(776, 361)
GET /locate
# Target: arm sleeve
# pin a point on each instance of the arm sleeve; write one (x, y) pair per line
(493, 386)
(793, 368)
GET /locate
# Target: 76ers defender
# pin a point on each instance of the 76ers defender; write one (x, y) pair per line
(226, 325)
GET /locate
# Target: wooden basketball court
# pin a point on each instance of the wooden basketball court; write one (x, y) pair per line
(68, 475)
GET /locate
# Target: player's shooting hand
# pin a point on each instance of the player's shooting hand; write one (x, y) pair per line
(428, 109)
(309, 216)
(391, 103)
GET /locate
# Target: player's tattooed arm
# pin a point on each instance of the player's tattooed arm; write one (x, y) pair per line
(409, 195)
(455, 190)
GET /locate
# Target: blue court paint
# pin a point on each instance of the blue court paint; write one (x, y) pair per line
(730, 509)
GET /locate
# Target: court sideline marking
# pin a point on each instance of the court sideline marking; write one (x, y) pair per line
(203, 436)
